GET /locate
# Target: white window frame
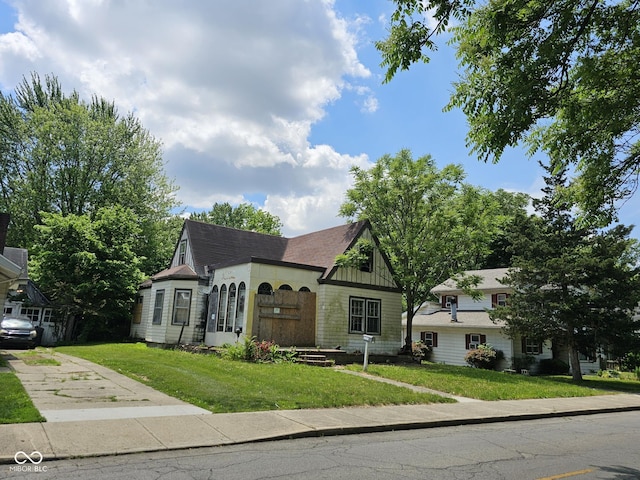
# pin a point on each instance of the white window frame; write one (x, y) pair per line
(361, 314)
(158, 308)
(474, 340)
(501, 299)
(181, 309)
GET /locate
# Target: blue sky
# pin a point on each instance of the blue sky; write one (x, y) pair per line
(266, 102)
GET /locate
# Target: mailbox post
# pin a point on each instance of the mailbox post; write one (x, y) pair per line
(367, 340)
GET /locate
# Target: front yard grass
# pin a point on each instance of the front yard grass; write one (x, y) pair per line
(221, 385)
(491, 385)
(15, 404)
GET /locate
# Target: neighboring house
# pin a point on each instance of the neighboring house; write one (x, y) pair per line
(459, 323)
(225, 283)
(24, 299)
(9, 271)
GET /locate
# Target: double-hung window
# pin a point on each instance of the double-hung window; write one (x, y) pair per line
(181, 307)
(364, 315)
(157, 308)
(531, 347)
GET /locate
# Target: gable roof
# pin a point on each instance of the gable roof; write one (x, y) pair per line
(216, 246)
(20, 257)
(489, 280)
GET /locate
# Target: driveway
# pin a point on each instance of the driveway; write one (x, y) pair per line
(81, 390)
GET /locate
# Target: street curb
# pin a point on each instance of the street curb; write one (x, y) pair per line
(333, 431)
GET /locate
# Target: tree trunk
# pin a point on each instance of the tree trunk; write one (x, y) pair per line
(408, 338)
(574, 363)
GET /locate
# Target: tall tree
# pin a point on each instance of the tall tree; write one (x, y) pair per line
(558, 75)
(574, 285)
(60, 154)
(244, 217)
(429, 223)
(87, 264)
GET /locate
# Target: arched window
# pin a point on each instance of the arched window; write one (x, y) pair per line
(304, 289)
(265, 289)
(285, 287)
(222, 305)
(231, 308)
(242, 291)
(213, 310)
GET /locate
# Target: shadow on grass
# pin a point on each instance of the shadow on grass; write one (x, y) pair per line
(597, 383)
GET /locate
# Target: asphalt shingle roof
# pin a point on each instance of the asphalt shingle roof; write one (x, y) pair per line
(216, 246)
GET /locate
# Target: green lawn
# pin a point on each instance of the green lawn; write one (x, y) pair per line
(221, 385)
(15, 404)
(39, 356)
(491, 385)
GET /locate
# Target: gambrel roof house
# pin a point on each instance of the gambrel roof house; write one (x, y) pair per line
(459, 323)
(225, 283)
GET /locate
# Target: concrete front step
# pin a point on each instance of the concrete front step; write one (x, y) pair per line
(317, 360)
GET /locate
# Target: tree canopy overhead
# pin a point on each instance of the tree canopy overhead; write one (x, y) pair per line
(60, 154)
(244, 217)
(429, 223)
(572, 284)
(558, 76)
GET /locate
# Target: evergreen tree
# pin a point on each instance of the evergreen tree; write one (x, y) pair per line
(572, 284)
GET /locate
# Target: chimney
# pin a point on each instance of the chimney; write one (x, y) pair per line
(454, 309)
(4, 226)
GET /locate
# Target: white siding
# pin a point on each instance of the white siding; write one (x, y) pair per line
(451, 348)
(188, 255)
(165, 332)
(139, 330)
(227, 276)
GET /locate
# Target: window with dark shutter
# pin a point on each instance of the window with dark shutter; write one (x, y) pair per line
(447, 300)
(499, 300)
(473, 340)
(429, 338)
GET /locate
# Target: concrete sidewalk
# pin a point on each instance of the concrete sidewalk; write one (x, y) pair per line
(147, 423)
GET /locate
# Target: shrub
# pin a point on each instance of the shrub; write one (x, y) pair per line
(485, 357)
(250, 350)
(630, 361)
(608, 373)
(553, 366)
(522, 362)
(420, 351)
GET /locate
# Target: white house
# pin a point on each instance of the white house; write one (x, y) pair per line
(25, 299)
(9, 271)
(225, 283)
(459, 323)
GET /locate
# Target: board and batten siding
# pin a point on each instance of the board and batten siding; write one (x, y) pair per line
(379, 276)
(332, 325)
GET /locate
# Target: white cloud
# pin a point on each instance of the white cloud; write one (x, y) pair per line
(232, 89)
